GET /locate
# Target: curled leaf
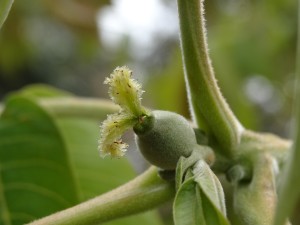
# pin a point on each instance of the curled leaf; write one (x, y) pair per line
(210, 185)
(200, 198)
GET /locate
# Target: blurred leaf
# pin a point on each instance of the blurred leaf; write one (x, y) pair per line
(166, 90)
(36, 177)
(5, 6)
(94, 174)
(90, 174)
(37, 91)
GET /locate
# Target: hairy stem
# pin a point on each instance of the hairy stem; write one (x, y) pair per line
(79, 107)
(290, 191)
(208, 106)
(144, 192)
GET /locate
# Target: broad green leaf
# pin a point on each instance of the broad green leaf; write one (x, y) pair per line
(96, 175)
(35, 177)
(187, 207)
(91, 174)
(37, 91)
(5, 6)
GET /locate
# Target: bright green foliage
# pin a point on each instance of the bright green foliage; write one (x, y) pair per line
(49, 163)
(96, 176)
(36, 177)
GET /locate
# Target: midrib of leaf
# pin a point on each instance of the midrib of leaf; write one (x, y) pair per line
(3, 209)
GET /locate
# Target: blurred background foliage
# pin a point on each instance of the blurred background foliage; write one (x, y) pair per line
(74, 44)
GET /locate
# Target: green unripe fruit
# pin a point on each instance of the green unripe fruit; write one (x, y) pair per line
(163, 137)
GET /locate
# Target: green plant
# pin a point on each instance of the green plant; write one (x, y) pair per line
(41, 163)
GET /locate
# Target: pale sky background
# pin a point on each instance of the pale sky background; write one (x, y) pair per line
(140, 21)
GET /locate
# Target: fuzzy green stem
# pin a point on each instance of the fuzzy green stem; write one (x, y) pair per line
(79, 107)
(144, 192)
(290, 191)
(209, 108)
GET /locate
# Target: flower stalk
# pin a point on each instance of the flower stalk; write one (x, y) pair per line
(208, 106)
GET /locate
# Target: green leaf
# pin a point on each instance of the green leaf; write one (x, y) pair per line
(185, 164)
(187, 208)
(209, 185)
(80, 133)
(200, 196)
(211, 213)
(38, 91)
(96, 175)
(5, 6)
(193, 207)
(48, 164)
(35, 177)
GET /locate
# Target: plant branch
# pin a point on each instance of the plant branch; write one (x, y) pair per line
(290, 192)
(144, 192)
(78, 107)
(208, 106)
